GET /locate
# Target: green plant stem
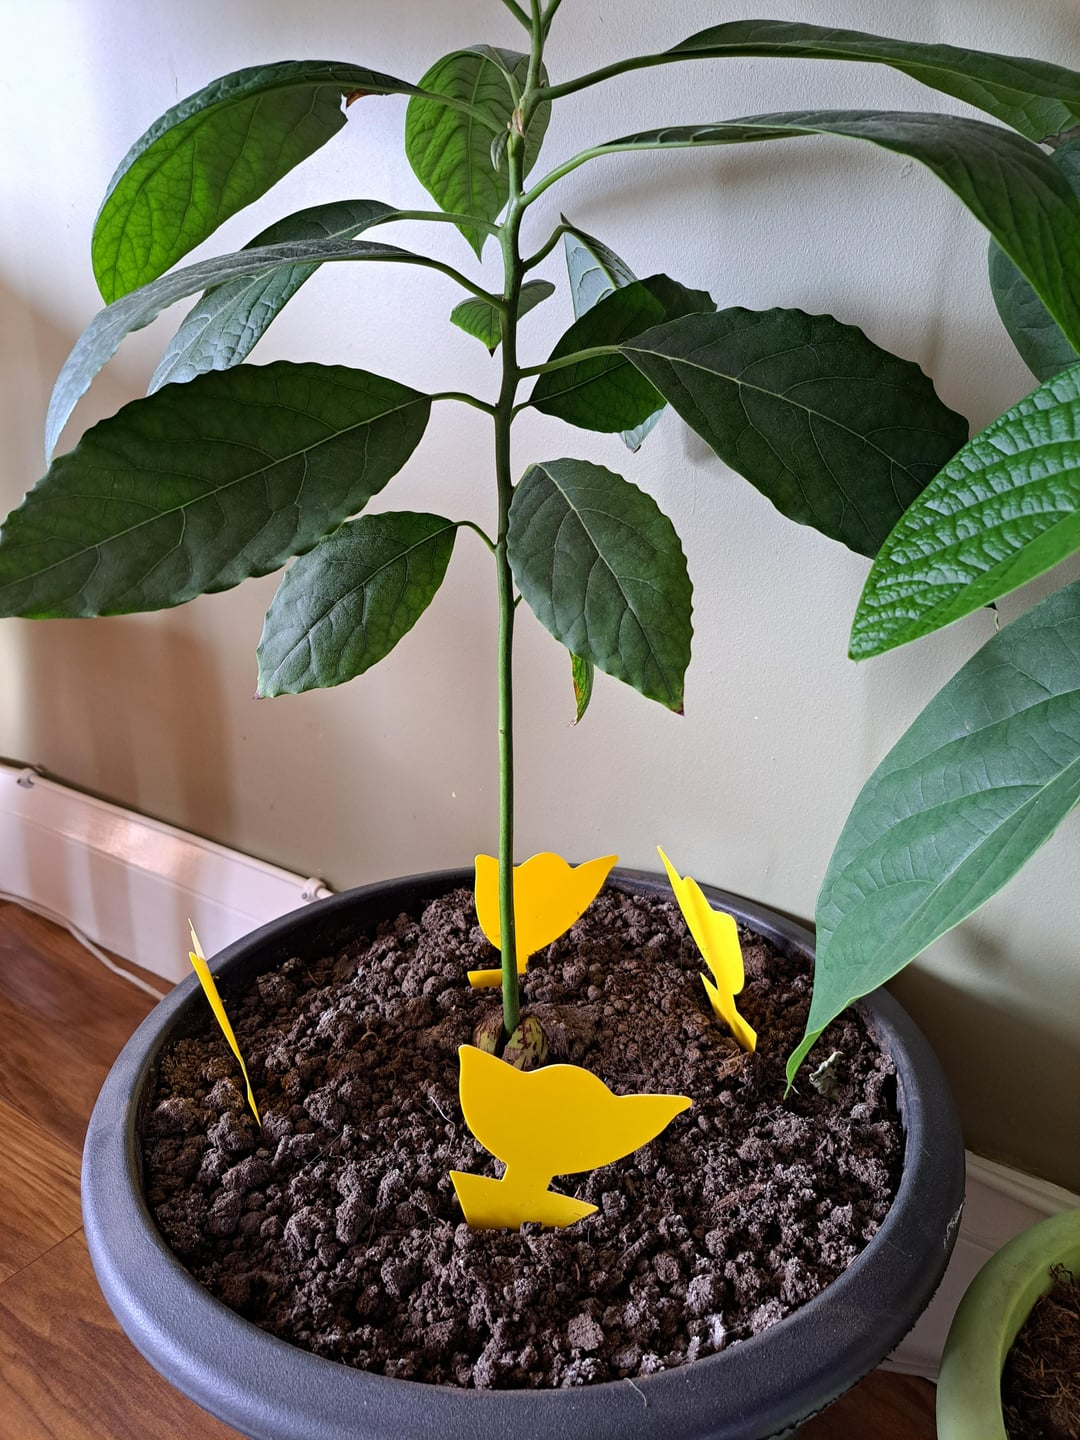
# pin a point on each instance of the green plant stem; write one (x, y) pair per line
(594, 352)
(513, 275)
(444, 217)
(547, 247)
(517, 12)
(465, 399)
(477, 530)
(620, 67)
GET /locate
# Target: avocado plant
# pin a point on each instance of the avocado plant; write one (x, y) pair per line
(227, 470)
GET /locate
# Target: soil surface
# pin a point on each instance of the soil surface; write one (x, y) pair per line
(337, 1228)
(1040, 1386)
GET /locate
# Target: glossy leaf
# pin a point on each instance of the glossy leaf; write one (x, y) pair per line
(212, 154)
(1038, 338)
(451, 151)
(478, 318)
(230, 319)
(1033, 96)
(602, 568)
(838, 433)
(1005, 181)
(201, 485)
(977, 784)
(99, 341)
(344, 605)
(594, 272)
(582, 673)
(607, 392)
(1005, 509)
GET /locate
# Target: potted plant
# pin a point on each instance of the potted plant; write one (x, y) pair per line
(241, 468)
(994, 1309)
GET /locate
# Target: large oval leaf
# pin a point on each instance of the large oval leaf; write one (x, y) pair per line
(606, 392)
(201, 485)
(212, 154)
(981, 780)
(99, 341)
(1005, 509)
(450, 150)
(230, 319)
(1032, 330)
(602, 568)
(344, 605)
(595, 271)
(838, 433)
(1004, 180)
(1033, 96)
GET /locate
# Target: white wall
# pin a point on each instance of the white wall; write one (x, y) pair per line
(396, 772)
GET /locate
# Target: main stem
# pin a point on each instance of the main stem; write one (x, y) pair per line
(513, 273)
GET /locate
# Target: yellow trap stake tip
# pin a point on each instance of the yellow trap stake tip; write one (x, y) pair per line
(550, 895)
(206, 980)
(716, 935)
(559, 1120)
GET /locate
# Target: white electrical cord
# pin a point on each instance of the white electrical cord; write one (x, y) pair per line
(84, 940)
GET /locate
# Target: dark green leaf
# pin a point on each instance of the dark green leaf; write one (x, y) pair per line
(607, 392)
(347, 603)
(838, 433)
(980, 781)
(452, 152)
(1039, 340)
(602, 568)
(99, 341)
(1005, 509)
(1033, 96)
(1005, 181)
(226, 324)
(478, 318)
(595, 271)
(214, 153)
(583, 673)
(201, 485)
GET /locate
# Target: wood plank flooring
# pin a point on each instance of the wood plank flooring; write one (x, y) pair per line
(67, 1372)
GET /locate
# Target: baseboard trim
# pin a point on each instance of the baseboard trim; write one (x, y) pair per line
(131, 883)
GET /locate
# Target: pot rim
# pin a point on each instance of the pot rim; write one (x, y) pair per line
(988, 1320)
(273, 1390)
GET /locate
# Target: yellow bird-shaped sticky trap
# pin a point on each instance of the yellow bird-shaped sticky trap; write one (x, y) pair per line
(549, 896)
(717, 937)
(542, 1123)
(206, 980)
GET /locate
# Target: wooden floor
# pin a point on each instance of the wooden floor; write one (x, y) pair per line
(66, 1370)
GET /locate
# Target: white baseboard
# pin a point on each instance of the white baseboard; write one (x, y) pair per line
(999, 1203)
(130, 883)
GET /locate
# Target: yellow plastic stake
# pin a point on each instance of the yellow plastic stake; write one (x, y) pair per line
(717, 937)
(542, 1123)
(206, 980)
(549, 896)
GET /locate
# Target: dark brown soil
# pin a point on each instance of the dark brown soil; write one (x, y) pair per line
(338, 1228)
(1040, 1386)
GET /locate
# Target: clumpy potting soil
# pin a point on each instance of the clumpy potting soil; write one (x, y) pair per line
(338, 1228)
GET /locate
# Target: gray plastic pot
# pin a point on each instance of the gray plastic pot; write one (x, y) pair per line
(269, 1390)
(988, 1320)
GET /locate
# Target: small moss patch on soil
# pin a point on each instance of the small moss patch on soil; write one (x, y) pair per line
(1040, 1385)
(337, 1227)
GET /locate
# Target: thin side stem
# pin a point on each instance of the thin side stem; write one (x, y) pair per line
(592, 353)
(444, 217)
(517, 12)
(465, 399)
(547, 247)
(476, 529)
(609, 72)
